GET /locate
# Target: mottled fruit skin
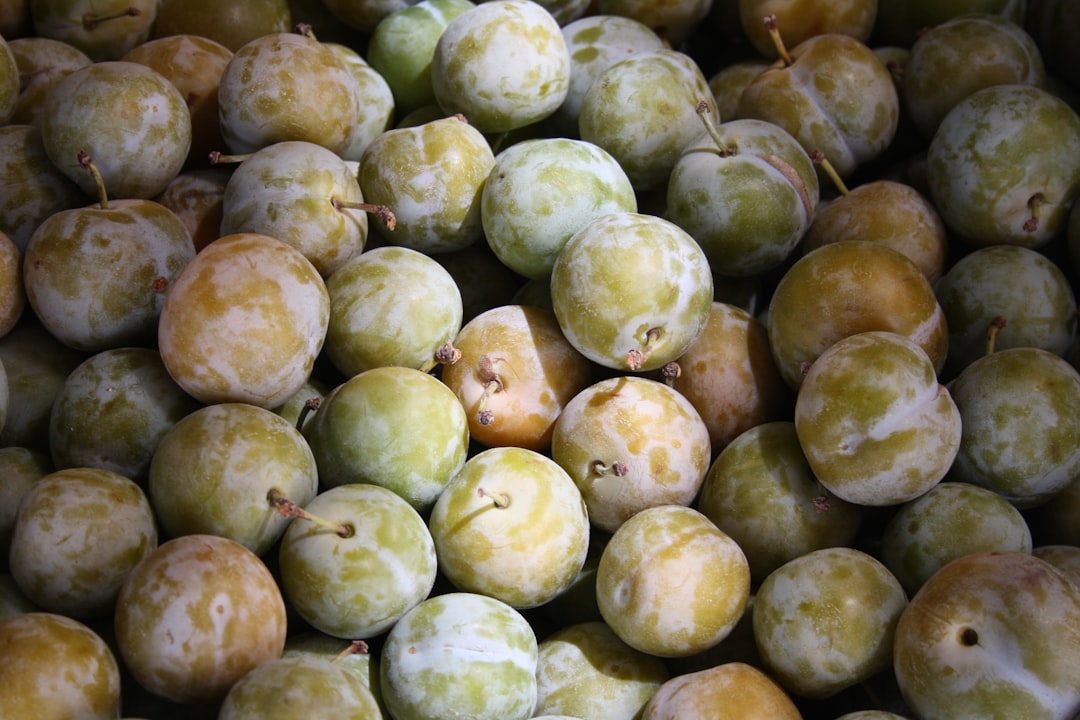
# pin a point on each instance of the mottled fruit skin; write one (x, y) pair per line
(1020, 410)
(825, 621)
(128, 254)
(631, 443)
(432, 177)
(56, 667)
(130, 119)
(511, 525)
(272, 83)
(244, 321)
(964, 54)
(584, 670)
(12, 292)
(991, 634)
(376, 101)
(213, 469)
(845, 288)
(1017, 285)
(196, 615)
(41, 62)
(20, 468)
(1000, 166)
(9, 83)
(392, 426)
(670, 583)
(799, 21)
(876, 426)
(502, 64)
(361, 585)
(731, 691)
(631, 291)
(643, 110)
(762, 493)
(951, 520)
(460, 655)
(231, 24)
(900, 22)
(77, 535)
(836, 97)
(120, 24)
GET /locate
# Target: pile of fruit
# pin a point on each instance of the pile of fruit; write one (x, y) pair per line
(427, 359)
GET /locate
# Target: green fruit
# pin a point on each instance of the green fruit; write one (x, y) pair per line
(631, 291)
(736, 690)
(103, 30)
(10, 86)
(231, 24)
(42, 62)
(20, 468)
(460, 655)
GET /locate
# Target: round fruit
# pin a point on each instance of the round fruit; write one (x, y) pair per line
(731, 691)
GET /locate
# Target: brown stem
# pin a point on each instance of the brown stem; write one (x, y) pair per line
(291, 510)
(991, 334)
(90, 21)
(671, 372)
(819, 159)
(1035, 204)
(385, 214)
(501, 500)
(88, 162)
(219, 158)
(310, 405)
(636, 359)
(356, 647)
(617, 468)
(778, 42)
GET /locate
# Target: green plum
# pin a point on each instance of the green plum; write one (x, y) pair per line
(730, 691)
(631, 443)
(825, 620)
(213, 470)
(12, 291)
(128, 117)
(390, 306)
(991, 634)
(103, 30)
(761, 492)
(631, 291)
(951, 520)
(196, 197)
(511, 525)
(432, 177)
(113, 410)
(900, 21)
(10, 85)
(1020, 410)
(402, 46)
(1015, 295)
(303, 194)
(55, 666)
(12, 600)
(392, 426)
(1000, 166)
(670, 583)
(354, 656)
(964, 54)
(799, 21)
(359, 580)
(643, 111)
(364, 15)
(196, 615)
(675, 21)
(42, 62)
(20, 468)
(503, 64)
(376, 101)
(728, 83)
(542, 191)
(875, 424)
(232, 24)
(460, 655)
(1065, 558)
(272, 83)
(585, 671)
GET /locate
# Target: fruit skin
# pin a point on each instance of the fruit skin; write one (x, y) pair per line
(42, 62)
(799, 21)
(631, 443)
(9, 83)
(825, 620)
(1020, 410)
(623, 276)
(195, 615)
(731, 691)
(994, 634)
(503, 64)
(56, 667)
(511, 525)
(214, 336)
(460, 655)
(881, 437)
(1001, 167)
(77, 535)
(670, 583)
(106, 40)
(129, 118)
(12, 292)
(231, 24)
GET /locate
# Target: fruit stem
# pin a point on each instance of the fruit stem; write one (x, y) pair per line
(1035, 203)
(306, 30)
(447, 354)
(310, 405)
(774, 32)
(500, 500)
(385, 214)
(636, 359)
(293, 511)
(88, 162)
(705, 113)
(356, 647)
(218, 158)
(671, 372)
(821, 161)
(617, 468)
(90, 21)
(991, 334)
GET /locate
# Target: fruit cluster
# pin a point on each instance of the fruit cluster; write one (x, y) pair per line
(426, 359)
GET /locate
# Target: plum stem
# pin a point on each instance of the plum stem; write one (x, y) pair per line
(88, 162)
(1035, 204)
(310, 405)
(819, 159)
(705, 113)
(219, 158)
(385, 214)
(447, 354)
(90, 21)
(636, 359)
(291, 510)
(671, 372)
(617, 468)
(356, 647)
(778, 42)
(500, 500)
(306, 30)
(992, 332)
